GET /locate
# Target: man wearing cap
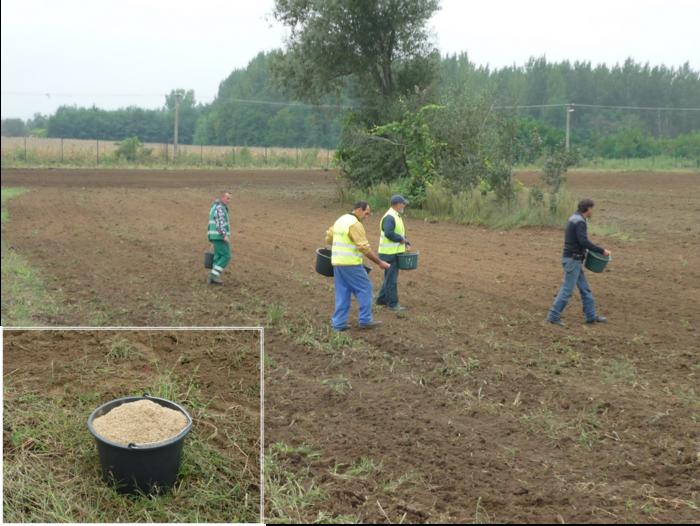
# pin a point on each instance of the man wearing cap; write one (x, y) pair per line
(576, 243)
(349, 243)
(392, 242)
(219, 234)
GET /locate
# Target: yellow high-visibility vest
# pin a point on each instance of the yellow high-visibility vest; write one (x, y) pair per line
(386, 245)
(344, 252)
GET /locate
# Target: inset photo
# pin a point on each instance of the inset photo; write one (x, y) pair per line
(148, 425)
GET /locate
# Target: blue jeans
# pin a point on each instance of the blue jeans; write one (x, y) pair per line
(573, 276)
(389, 293)
(351, 280)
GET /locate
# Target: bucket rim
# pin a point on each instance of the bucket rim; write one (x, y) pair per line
(600, 257)
(411, 253)
(318, 252)
(141, 447)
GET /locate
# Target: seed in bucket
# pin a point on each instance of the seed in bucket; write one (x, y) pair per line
(140, 422)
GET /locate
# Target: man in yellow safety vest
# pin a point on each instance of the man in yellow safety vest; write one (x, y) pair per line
(392, 242)
(349, 244)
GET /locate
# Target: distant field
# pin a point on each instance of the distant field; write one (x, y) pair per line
(33, 152)
(45, 151)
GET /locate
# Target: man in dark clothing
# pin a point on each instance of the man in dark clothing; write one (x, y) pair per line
(392, 242)
(576, 244)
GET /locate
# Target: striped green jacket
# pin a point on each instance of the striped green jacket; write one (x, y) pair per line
(219, 226)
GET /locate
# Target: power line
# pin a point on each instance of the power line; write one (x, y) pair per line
(338, 106)
(633, 107)
(577, 105)
(206, 97)
(530, 106)
(63, 95)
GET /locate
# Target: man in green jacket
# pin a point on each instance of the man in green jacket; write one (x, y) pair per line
(219, 234)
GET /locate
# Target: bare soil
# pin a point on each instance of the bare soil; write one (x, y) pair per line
(468, 405)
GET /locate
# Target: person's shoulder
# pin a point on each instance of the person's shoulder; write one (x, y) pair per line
(576, 219)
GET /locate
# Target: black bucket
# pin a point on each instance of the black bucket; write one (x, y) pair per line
(323, 263)
(208, 260)
(140, 468)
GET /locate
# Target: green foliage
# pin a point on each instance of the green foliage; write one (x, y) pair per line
(232, 121)
(555, 167)
(462, 143)
(527, 207)
(404, 149)
(417, 80)
(376, 50)
(13, 128)
(131, 149)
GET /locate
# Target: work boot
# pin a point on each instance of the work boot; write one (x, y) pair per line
(371, 325)
(398, 308)
(597, 319)
(557, 322)
(213, 279)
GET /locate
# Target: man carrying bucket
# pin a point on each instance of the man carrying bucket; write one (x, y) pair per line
(219, 235)
(349, 243)
(392, 242)
(576, 243)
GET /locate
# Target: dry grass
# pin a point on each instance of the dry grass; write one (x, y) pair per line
(42, 151)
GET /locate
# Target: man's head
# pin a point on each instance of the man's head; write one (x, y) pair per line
(398, 203)
(361, 209)
(225, 198)
(585, 207)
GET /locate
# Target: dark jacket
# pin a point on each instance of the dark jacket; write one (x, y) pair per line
(576, 240)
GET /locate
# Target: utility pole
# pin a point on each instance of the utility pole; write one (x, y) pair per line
(178, 97)
(569, 111)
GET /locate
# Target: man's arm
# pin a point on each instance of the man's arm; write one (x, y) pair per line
(359, 237)
(329, 236)
(220, 220)
(389, 227)
(582, 238)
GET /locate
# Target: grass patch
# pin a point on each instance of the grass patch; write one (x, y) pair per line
(289, 487)
(622, 372)
(52, 471)
(122, 349)
(609, 230)
(274, 314)
(454, 365)
(362, 469)
(25, 300)
(663, 163)
(340, 385)
(529, 207)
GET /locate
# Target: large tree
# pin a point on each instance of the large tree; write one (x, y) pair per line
(379, 49)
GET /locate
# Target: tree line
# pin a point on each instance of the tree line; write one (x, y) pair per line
(253, 107)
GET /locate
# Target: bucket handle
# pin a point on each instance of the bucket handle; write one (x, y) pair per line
(131, 445)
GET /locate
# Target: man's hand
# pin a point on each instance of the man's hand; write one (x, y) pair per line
(227, 239)
(606, 252)
(384, 265)
(408, 246)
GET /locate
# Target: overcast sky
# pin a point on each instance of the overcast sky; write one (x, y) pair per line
(115, 53)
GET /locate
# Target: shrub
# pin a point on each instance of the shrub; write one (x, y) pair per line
(131, 149)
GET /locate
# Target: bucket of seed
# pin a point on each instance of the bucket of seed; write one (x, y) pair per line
(139, 441)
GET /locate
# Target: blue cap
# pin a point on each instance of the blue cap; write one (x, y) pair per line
(398, 199)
